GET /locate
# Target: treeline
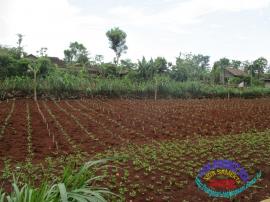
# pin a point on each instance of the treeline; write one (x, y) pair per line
(190, 75)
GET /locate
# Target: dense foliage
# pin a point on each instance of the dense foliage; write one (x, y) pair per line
(80, 75)
(66, 85)
(117, 39)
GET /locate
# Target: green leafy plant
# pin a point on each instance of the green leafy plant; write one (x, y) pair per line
(74, 186)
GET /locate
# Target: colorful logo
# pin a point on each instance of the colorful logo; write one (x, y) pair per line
(224, 178)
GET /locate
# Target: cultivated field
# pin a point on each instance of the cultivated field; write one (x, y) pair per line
(158, 146)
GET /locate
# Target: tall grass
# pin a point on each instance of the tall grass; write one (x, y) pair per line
(74, 186)
(65, 85)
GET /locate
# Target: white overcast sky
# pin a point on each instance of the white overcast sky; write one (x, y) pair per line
(237, 29)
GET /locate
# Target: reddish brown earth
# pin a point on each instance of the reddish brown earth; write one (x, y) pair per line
(43, 145)
(101, 124)
(13, 142)
(95, 125)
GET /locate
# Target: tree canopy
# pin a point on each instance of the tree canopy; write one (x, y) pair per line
(77, 53)
(117, 40)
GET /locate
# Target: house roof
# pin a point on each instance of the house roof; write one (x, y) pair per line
(236, 72)
(56, 60)
(31, 56)
(94, 70)
(123, 72)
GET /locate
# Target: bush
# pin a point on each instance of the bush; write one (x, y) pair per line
(45, 65)
(109, 69)
(7, 66)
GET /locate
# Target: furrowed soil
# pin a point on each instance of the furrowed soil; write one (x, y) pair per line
(162, 144)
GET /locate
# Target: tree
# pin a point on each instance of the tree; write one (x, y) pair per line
(201, 61)
(117, 40)
(219, 67)
(215, 73)
(146, 69)
(42, 52)
(245, 65)
(179, 73)
(10, 64)
(236, 64)
(68, 56)
(19, 48)
(77, 53)
(224, 62)
(99, 59)
(259, 66)
(128, 64)
(7, 64)
(39, 67)
(34, 68)
(190, 66)
(160, 65)
(45, 65)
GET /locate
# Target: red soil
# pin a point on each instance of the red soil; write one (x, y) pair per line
(95, 125)
(13, 144)
(101, 124)
(43, 145)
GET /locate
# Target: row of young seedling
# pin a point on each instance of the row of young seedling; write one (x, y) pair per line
(105, 115)
(6, 121)
(61, 128)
